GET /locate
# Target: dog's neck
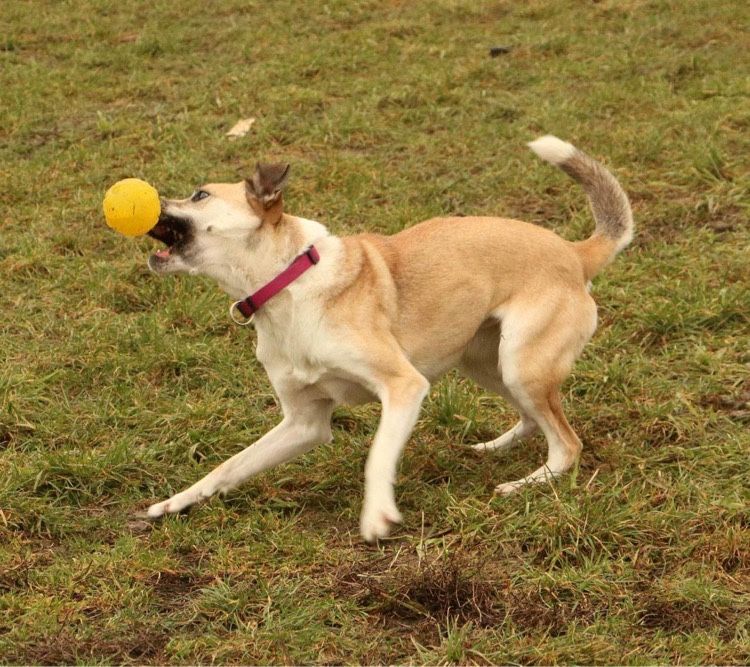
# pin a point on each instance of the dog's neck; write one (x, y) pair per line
(252, 268)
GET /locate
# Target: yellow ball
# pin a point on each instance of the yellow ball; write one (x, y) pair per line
(131, 206)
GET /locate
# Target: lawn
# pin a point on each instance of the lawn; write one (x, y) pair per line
(118, 388)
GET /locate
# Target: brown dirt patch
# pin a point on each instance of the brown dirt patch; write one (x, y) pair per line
(413, 590)
(140, 646)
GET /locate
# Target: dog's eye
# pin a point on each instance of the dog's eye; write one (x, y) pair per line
(198, 195)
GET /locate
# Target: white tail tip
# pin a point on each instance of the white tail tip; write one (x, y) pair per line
(552, 149)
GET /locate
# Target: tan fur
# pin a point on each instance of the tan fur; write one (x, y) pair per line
(505, 301)
(595, 253)
(440, 280)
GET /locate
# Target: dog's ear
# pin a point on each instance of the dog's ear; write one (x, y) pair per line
(267, 184)
(264, 190)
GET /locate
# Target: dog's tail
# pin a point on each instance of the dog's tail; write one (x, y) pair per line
(609, 203)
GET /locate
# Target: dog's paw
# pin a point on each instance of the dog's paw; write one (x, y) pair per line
(376, 521)
(157, 510)
(484, 447)
(509, 487)
(179, 504)
(499, 446)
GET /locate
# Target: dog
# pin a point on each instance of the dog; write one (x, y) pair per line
(371, 317)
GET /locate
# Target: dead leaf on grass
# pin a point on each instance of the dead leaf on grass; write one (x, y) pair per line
(240, 128)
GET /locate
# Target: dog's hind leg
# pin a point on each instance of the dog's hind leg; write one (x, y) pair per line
(304, 426)
(512, 437)
(481, 363)
(536, 355)
(524, 428)
(563, 445)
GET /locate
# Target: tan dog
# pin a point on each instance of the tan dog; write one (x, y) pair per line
(380, 317)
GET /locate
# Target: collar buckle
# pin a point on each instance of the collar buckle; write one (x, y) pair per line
(235, 319)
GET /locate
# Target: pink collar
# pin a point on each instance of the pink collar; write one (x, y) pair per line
(252, 304)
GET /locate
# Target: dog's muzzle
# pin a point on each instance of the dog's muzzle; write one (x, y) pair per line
(171, 231)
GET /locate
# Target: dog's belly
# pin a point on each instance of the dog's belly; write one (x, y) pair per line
(480, 352)
(344, 391)
(480, 359)
(434, 367)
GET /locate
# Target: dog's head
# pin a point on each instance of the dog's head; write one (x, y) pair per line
(204, 232)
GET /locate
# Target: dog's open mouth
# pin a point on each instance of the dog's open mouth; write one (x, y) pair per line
(173, 232)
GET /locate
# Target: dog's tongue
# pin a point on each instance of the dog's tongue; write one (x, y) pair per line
(163, 253)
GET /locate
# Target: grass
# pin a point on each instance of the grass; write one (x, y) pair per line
(117, 388)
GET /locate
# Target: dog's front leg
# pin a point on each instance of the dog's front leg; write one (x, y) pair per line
(401, 398)
(299, 432)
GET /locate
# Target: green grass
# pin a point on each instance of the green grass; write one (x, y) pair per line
(117, 388)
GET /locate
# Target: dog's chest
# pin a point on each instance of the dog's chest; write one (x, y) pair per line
(302, 351)
(291, 353)
(310, 359)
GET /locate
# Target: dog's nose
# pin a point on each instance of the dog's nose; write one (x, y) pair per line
(165, 205)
